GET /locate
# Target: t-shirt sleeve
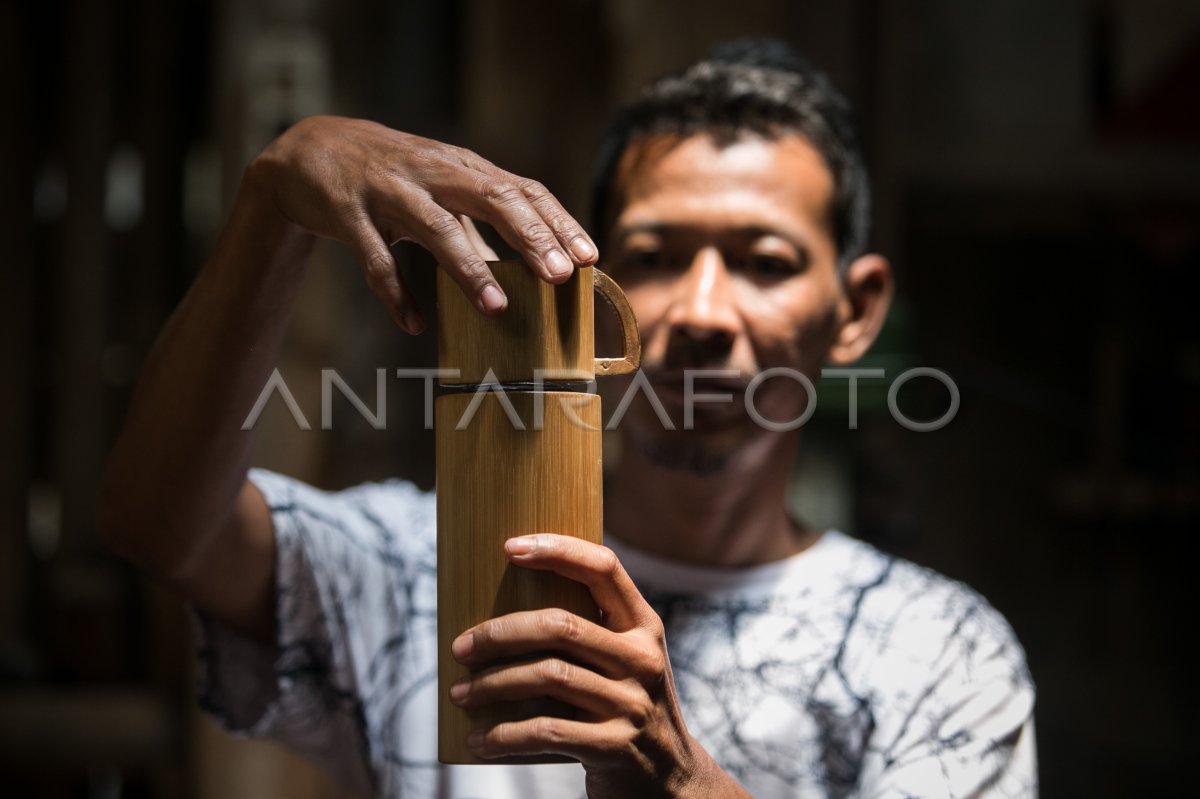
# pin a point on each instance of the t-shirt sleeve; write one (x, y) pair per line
(346, 611)
(968, 731)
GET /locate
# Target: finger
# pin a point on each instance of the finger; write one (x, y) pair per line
(560, 631)
(440, 232)
(570, 233)
(383, 276)
(554, 678)
(501, 202)
(477, 241)
(588, 742)
(595, 566)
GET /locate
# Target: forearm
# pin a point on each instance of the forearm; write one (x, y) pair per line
(175, 472)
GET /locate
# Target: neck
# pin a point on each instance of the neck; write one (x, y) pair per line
(736, 516)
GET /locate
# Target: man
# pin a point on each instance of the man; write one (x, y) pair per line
(742, 653)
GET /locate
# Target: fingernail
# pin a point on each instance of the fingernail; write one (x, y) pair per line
(475, 740)
(463, 645)
(520, 546)
(413, 322)
(558, 263)
(459, 691)
(583, 249)
(492, 299)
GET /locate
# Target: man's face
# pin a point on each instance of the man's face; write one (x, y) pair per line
(728, 259)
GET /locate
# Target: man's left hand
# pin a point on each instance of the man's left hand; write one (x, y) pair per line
(628, 731)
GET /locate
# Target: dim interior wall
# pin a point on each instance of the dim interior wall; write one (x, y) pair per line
(985, 135)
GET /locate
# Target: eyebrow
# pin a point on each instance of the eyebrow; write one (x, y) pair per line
(741, 231)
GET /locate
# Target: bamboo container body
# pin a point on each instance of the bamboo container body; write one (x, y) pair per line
(514, 462)
(495, 481)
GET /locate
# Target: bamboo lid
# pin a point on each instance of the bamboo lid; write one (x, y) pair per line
(546, 333)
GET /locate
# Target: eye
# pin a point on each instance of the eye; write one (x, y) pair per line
(772, 266)
(644, 258)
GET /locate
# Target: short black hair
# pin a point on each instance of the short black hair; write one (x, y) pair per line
(758, 86)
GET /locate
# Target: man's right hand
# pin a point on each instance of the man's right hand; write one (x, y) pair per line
(369, 187)
(176, 500)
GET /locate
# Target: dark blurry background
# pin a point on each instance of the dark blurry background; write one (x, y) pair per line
(1037, 176)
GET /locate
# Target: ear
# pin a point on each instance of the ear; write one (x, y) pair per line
(866, 296)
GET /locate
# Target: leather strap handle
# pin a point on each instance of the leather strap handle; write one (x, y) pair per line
(631, 346)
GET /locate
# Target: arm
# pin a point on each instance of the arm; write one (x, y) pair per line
(175, 499)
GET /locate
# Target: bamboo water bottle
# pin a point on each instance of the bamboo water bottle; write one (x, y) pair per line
(518, 451)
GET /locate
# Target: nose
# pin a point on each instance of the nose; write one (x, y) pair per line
(704, 311)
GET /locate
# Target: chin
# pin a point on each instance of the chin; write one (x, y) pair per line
(702, 452)
(692, 457)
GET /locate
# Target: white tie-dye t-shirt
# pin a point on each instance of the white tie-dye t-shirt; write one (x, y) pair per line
(840, 671)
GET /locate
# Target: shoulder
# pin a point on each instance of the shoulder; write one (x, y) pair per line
(950, 693)
(925, 623)
(384, 516)
(385, 495)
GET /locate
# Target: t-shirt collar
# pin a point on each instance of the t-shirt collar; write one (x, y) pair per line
(803, 568)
